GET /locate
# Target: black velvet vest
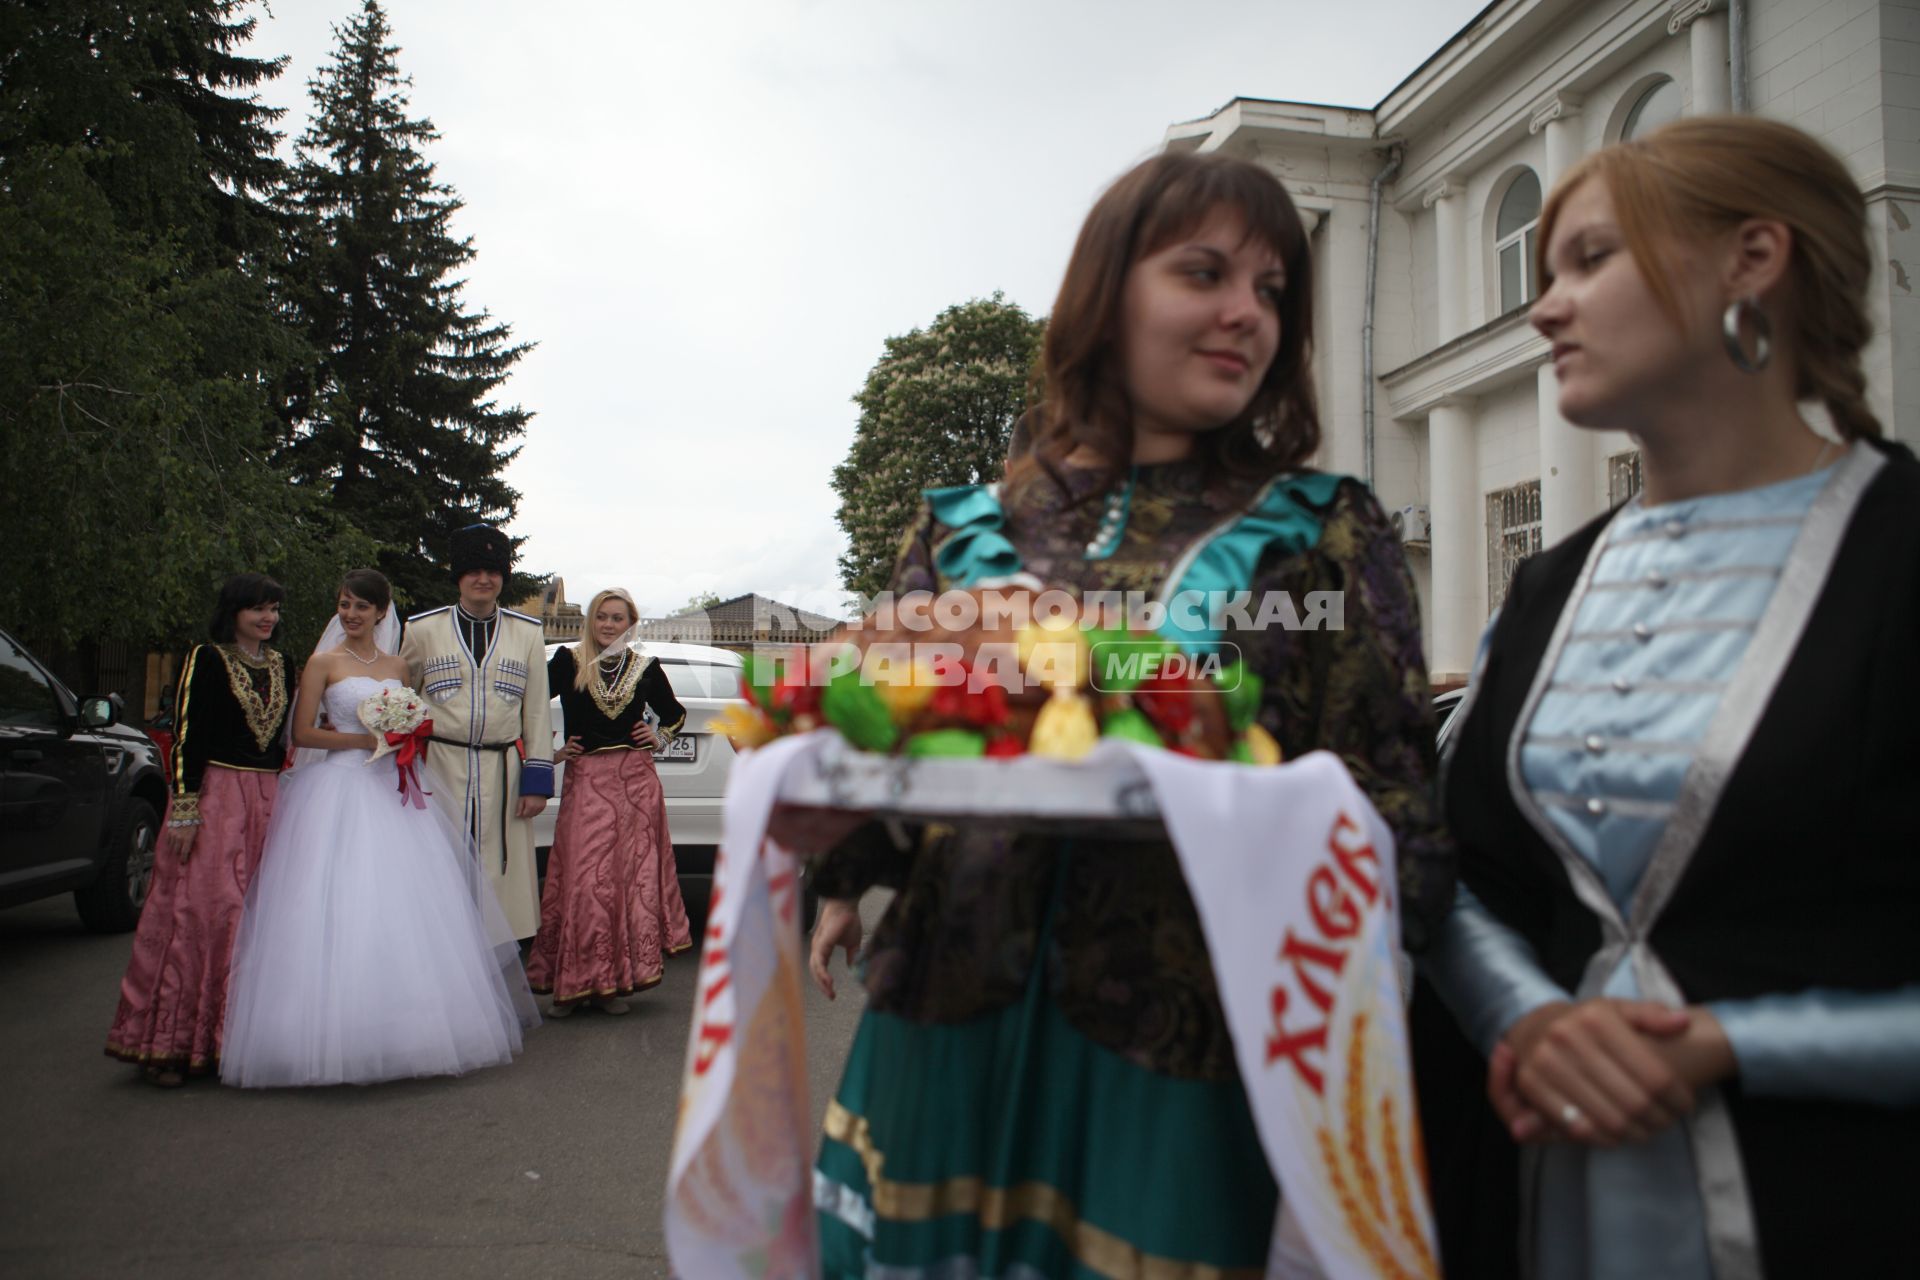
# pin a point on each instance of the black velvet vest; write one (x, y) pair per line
(1808, 875)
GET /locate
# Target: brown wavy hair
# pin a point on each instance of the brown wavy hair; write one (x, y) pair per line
(1084, 401)
(1700, 177)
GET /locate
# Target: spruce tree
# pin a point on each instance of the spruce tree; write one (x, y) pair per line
(936, 410)
(398, 419)
(159, 100)
(137, 333)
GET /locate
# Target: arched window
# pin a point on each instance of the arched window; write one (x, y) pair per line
(1656, 105)
(1513, 230)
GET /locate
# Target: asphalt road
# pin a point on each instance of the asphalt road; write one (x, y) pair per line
(554, 1166)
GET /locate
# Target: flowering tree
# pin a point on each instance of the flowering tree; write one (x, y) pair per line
(936, 410)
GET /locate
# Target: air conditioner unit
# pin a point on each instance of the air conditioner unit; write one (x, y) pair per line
(1411, 527)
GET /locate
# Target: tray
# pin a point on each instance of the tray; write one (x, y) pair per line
(1108, 797)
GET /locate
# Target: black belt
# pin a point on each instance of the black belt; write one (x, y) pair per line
(502, 747)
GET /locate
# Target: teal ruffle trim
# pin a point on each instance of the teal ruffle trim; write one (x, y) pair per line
(1282, 519)
(976, 550)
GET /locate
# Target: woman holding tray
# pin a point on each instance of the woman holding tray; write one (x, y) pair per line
(1683, 790)
(1042, 1082)
(611, 911)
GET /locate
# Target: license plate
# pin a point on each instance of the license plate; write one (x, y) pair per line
(682, 748)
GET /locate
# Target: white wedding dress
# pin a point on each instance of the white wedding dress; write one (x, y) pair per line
(369, 948)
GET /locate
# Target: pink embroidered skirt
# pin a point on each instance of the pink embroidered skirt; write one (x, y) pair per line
(173, 999)
(611, 911)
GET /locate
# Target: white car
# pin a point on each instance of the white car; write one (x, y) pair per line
(693, 767)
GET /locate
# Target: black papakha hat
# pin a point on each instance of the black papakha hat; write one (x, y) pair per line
(481, 546)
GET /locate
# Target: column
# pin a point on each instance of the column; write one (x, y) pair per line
(1568, 494)
(1459, 541)
(1705, 22)
(1450, 243)
(1566, 454)
(1558, 118)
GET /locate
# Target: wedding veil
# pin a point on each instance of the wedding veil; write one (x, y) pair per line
(386, 640)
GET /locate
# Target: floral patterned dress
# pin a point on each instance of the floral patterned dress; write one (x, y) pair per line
(1043, 1082)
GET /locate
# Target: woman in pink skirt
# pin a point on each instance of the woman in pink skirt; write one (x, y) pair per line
(611, 911)
(229, 746)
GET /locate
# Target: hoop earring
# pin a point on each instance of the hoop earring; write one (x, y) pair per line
(1747, 309)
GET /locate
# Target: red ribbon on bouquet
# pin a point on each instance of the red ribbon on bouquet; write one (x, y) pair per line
(408, 748)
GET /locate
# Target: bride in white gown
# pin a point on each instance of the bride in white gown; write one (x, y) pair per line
(370, 949)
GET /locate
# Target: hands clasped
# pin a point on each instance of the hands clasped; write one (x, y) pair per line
(1604, 1071)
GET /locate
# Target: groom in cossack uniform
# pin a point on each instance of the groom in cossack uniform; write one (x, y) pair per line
(483, 671)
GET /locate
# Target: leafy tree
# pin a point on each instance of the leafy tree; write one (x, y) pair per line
(137, 337)
(398, 420)
(699, 603)
(936, 410)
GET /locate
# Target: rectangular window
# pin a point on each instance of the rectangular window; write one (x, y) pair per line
(1623, 477)
(1512, 278)
(1513, 534)
(691, 679)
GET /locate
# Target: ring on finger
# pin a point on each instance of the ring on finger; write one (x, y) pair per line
(1571, 1115)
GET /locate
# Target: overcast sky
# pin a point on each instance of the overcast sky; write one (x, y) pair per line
(710, 216)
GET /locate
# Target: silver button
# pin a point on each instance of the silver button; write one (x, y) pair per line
(1657, 580)
(1622, 685)
(1596, 806)
(1674, 528)
(1642, 632)
(1596, 743)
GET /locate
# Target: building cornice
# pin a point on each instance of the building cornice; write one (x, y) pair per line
(1496, 34)
(1245, 121)
(1496, 354)
(1498, 124)
(1884, 185)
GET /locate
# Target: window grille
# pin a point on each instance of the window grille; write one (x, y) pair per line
(1513, 534)
(1623, 477)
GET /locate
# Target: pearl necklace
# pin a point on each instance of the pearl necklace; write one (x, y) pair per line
(348, 650)
(1113, 525)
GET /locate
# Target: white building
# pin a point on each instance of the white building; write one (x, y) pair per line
(1463, 428)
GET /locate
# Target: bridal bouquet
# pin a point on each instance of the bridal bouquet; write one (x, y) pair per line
(398, 717)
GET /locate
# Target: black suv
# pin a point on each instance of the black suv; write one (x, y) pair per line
(80, 797)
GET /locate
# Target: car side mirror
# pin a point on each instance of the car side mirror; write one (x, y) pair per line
(98, 712)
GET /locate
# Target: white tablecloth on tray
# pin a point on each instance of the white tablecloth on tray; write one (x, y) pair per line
(1292, 871)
